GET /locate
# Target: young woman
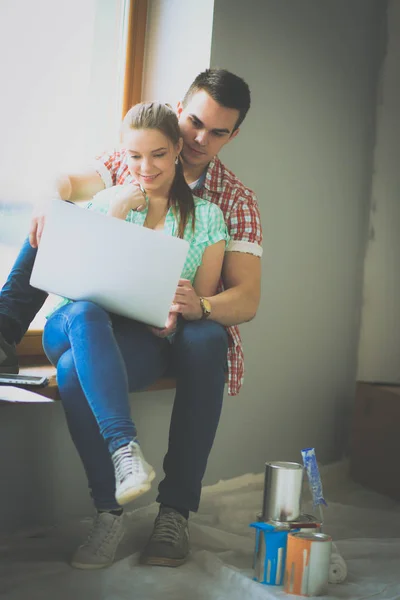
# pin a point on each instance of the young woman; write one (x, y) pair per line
(96, 364)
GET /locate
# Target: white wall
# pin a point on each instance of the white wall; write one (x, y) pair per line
(56, 109)
(178, 46)
(59, 89)
(379, 351)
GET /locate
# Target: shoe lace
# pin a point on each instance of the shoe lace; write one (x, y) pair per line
(127, 460)
(168, 528)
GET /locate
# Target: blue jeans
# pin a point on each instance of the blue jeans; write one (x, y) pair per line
(100, 358)
(19, 301)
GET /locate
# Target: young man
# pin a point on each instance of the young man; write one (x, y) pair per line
(209, 116)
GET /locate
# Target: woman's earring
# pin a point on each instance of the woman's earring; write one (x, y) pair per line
(176, 160)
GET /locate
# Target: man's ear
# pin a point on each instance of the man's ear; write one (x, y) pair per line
(179, 109)
(234, 134)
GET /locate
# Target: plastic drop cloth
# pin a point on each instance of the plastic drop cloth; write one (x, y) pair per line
(364, 525)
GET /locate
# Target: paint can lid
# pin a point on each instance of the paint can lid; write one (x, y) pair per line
(290, 466)
(302, 521)
(313, 537)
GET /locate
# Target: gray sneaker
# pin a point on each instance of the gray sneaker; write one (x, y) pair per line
(98, 551)
(8, 357)
(168, 545)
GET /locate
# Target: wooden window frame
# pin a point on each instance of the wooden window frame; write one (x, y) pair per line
(30, 349)
(133, 78)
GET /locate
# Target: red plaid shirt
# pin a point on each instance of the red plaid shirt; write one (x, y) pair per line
(240, 208)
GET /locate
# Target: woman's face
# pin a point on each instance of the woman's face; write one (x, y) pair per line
(151, 158)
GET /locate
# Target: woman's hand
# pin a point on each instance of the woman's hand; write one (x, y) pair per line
(129, 197)
(169, 328)
(187, 302)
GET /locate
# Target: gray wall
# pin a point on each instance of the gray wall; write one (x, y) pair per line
(306, 150)
(379, 352)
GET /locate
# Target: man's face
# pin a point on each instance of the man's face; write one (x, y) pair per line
(206, 127)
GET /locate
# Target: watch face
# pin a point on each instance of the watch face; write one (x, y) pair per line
(206, 306)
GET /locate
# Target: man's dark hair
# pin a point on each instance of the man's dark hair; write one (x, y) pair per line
(224, 87)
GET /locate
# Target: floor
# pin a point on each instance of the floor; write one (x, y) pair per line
(364, 525)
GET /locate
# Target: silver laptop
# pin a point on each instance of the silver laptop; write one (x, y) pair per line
(127, 269)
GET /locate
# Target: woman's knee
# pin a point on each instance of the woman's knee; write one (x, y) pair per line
(69, 318)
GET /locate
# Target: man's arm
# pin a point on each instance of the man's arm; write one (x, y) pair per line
(241, 271)
(238, 303)
(79, 187)
(67, 187)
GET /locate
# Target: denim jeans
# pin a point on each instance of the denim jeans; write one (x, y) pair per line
(100, 358)
(19, 301)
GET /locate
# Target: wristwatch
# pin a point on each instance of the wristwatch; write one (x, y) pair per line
(205, 307)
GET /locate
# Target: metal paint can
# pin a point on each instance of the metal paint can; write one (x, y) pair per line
(282, 491)
(269, 554)
(307, 563)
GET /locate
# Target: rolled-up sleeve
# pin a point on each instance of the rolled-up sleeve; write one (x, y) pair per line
(244, 224)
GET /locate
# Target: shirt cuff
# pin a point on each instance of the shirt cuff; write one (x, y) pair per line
(246, 247)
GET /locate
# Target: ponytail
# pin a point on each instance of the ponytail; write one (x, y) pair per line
(181, 198)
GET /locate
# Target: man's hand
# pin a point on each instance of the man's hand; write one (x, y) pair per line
(169, 328)
(129, 197)
(187, 302)
(37, 224)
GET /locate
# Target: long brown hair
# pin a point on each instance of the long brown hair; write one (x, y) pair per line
(154, 115)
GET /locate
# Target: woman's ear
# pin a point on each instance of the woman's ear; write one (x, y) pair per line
(179, 145)
(179, 109)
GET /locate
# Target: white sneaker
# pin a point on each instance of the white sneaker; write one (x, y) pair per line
(133, 475)
(98, 551)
